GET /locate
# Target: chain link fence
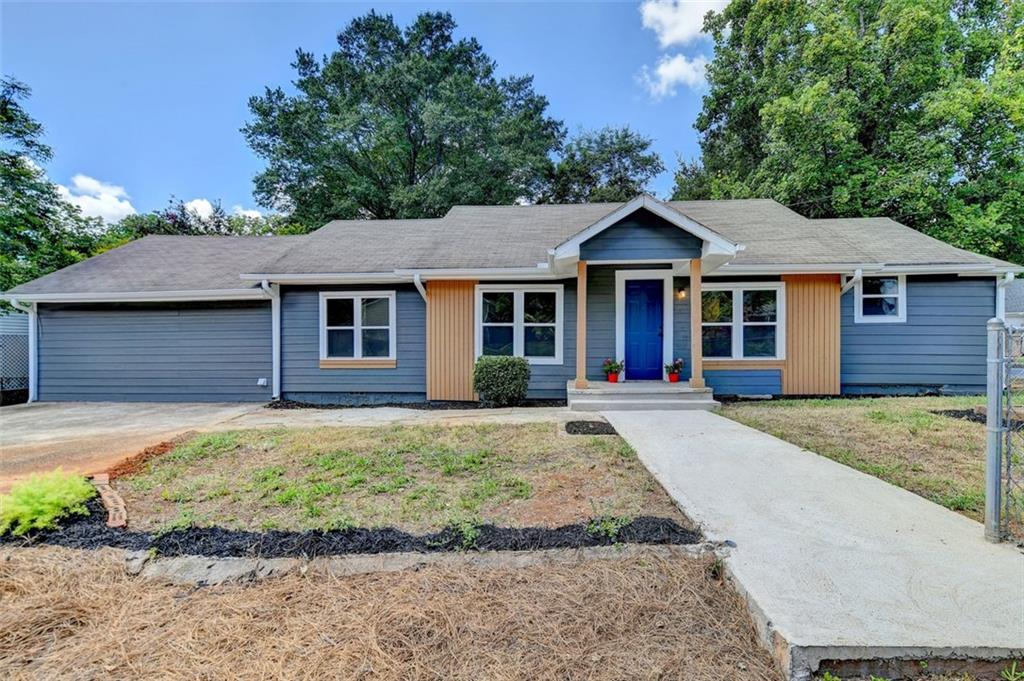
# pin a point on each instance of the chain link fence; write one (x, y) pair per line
(1004, 506)
(13, 358)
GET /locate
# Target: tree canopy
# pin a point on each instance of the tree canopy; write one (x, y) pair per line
(911, 109)
(611, 164)
(398, 124)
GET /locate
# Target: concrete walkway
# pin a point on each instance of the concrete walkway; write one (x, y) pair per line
(835, 564)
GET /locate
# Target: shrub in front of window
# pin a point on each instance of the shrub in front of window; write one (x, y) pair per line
(501, 381)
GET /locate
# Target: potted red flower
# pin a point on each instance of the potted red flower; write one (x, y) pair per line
(673, 370)
(611, 369)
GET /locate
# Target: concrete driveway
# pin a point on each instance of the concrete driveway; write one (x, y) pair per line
(90, 437)
(835, 564)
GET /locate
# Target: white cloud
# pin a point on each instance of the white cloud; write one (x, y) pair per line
(677, 22)
(97, 199)
(672, 72)
(201, 207)
(245, 212)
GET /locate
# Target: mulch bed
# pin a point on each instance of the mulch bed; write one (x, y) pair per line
(425, 406)
(91, 532)
(973, 416)
(590, 428)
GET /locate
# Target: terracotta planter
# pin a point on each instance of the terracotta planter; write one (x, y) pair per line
(673, 378)
(613, 378)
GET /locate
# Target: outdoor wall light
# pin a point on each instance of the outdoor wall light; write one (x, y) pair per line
(681, 294)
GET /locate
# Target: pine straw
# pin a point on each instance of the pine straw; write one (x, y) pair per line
(66, 613)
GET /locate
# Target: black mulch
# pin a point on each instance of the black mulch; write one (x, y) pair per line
(971, 415)
(589, 428)
(91, 532)
(426, 406)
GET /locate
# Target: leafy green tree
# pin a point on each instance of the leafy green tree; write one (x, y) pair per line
(399, 124)
(912, 109)
(39, 231)
(612, 164)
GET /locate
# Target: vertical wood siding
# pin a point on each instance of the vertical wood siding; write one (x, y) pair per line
(450, 340)
(812, 334)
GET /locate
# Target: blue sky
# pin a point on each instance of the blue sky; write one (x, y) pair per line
(143, 101)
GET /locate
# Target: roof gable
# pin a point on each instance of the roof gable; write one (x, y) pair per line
(641, 236)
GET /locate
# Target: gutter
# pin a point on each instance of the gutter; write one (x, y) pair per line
(139, 296)
(419, 286)
(857, 277)
(273, 291)
(33, 345)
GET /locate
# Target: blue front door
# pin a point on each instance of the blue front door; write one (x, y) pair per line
(644, 320)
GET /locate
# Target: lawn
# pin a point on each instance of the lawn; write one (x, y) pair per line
(898, 439)
(417, 478)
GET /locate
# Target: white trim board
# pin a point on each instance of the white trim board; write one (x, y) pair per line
(518, 324)
(668, 314)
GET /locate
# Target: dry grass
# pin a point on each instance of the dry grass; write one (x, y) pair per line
(635, 619)
(897, 439)
(418, 478)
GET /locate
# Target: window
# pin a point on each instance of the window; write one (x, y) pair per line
(881, 299)
(522, 321)
(743, 321)
(357, 325)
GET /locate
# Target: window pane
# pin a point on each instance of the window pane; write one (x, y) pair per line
(497, 340)
(375, 342)
(717, 306)
(881, 285)
(717, 341)
(498, 307)
(881, 307)
(759, 341)
(340, 343)
(339, 312)
(539, 341)
(375, 312)
(540, 307)
(759, 306)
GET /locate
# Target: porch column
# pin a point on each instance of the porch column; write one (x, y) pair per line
(581, 324)
(696, 318)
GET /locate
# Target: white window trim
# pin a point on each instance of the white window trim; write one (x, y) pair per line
(901, 303)
(518, 323)
(621, 277)
(357, 320)
(737, 322)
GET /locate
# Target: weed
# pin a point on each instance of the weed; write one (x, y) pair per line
(450, 462)
(41, 500)
(185, 519)
(269, 524)
(287, 496)
(467, 530)
(1012, 674)
(204, 447)
(607, 526)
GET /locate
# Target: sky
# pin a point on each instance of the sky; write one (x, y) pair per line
(144, 101)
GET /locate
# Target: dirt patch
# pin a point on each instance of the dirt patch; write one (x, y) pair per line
(136, 463)
(590, 428)
(635, 618)
(92, 532)
(416, 478)
(904, 441)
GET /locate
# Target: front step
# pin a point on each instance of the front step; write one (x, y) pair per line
(638, 395)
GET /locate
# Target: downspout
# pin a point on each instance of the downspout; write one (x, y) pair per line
(1001, 295)
(858, 275)
(419, 285)
(273, 291)
(33, 346)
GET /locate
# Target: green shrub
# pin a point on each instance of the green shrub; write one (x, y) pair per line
(37, 503)
(501, 381)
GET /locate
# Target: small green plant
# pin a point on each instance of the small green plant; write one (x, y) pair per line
(674, 367)
(467, 530)
(1011, 673)
(611, 366)
(607, 526)
(41, 500)
(205, 447)
(501, 381)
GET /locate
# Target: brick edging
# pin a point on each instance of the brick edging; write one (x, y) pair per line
(117, 514)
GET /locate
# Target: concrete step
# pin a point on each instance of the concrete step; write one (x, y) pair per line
(640, 395)
(603, 404)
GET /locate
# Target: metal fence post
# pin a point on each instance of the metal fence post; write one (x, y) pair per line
(994, 426)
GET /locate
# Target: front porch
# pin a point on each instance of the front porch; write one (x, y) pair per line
(639, 396)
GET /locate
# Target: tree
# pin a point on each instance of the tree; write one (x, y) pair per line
(904, 108)
(39, 231)
(399, 124)
(612, 164)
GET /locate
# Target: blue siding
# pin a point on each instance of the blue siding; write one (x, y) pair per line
(940, 347)
(155, 353)
(681, 327)
(744, 381)
(547, 381)
(642, 236)
(301, 374)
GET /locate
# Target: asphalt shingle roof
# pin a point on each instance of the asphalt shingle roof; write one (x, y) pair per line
(485, 237)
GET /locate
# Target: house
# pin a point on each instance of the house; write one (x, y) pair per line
(756, 299)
